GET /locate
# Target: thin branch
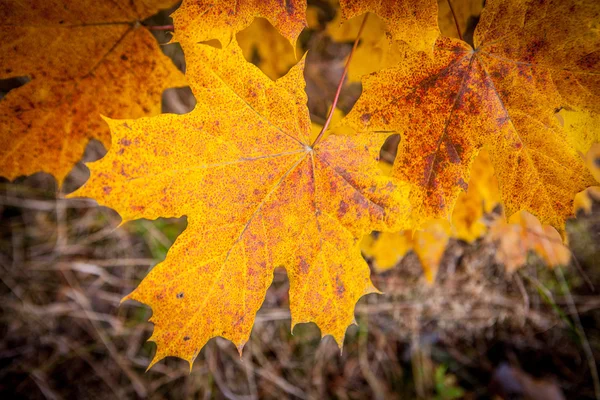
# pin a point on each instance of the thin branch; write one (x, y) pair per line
(340, 84)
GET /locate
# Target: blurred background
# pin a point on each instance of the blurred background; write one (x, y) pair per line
(477, 332)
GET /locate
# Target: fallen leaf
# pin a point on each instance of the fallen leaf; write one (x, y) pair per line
(256, 195)
(84, 59)
(529, 61)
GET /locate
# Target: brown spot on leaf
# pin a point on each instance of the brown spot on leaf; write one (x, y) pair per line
(343, 209)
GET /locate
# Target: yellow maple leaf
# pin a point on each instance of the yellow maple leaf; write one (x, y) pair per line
(84, 59)
(257, 195)
(411, 21)
(481, 197)
(275, 53)
(429, 244)
(584, 199)
(386, 248)
(375, 50)
(465, 11)
(529, 61)
(202, 20)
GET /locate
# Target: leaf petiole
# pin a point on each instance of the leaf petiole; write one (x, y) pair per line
(340, 84)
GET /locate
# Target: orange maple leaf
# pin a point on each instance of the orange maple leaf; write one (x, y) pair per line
(257, 196)
(84, 59)
(529, 61)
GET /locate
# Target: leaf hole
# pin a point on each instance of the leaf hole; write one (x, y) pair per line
(6, 85)
(212, 43)
(180, 295)
(389, 150)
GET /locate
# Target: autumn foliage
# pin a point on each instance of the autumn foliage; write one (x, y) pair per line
(508, 123)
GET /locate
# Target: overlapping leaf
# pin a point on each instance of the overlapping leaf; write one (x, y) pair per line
(375, 50)
(465, 14)
(241, 167)
(411, 21)
(202, 20)
(262, 44)
(584, 200)
(84, 59)
(530, 61)
(471, 219)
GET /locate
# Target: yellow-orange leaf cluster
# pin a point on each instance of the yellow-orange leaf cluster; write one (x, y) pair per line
(84, 59)
(244, 167)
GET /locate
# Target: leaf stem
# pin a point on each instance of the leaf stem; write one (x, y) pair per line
(161, 27)
(455, 20)
(340, 84)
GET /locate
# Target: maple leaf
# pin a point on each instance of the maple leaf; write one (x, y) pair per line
(475, 205)
(524, 233)
(411, 21)
(585, 199)
(465, 13)
(84, 60)
(429, 244)
(529, 61)
(386, 249)
(262, 41)
(201, 20)
(256, 194)
(375, 50)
